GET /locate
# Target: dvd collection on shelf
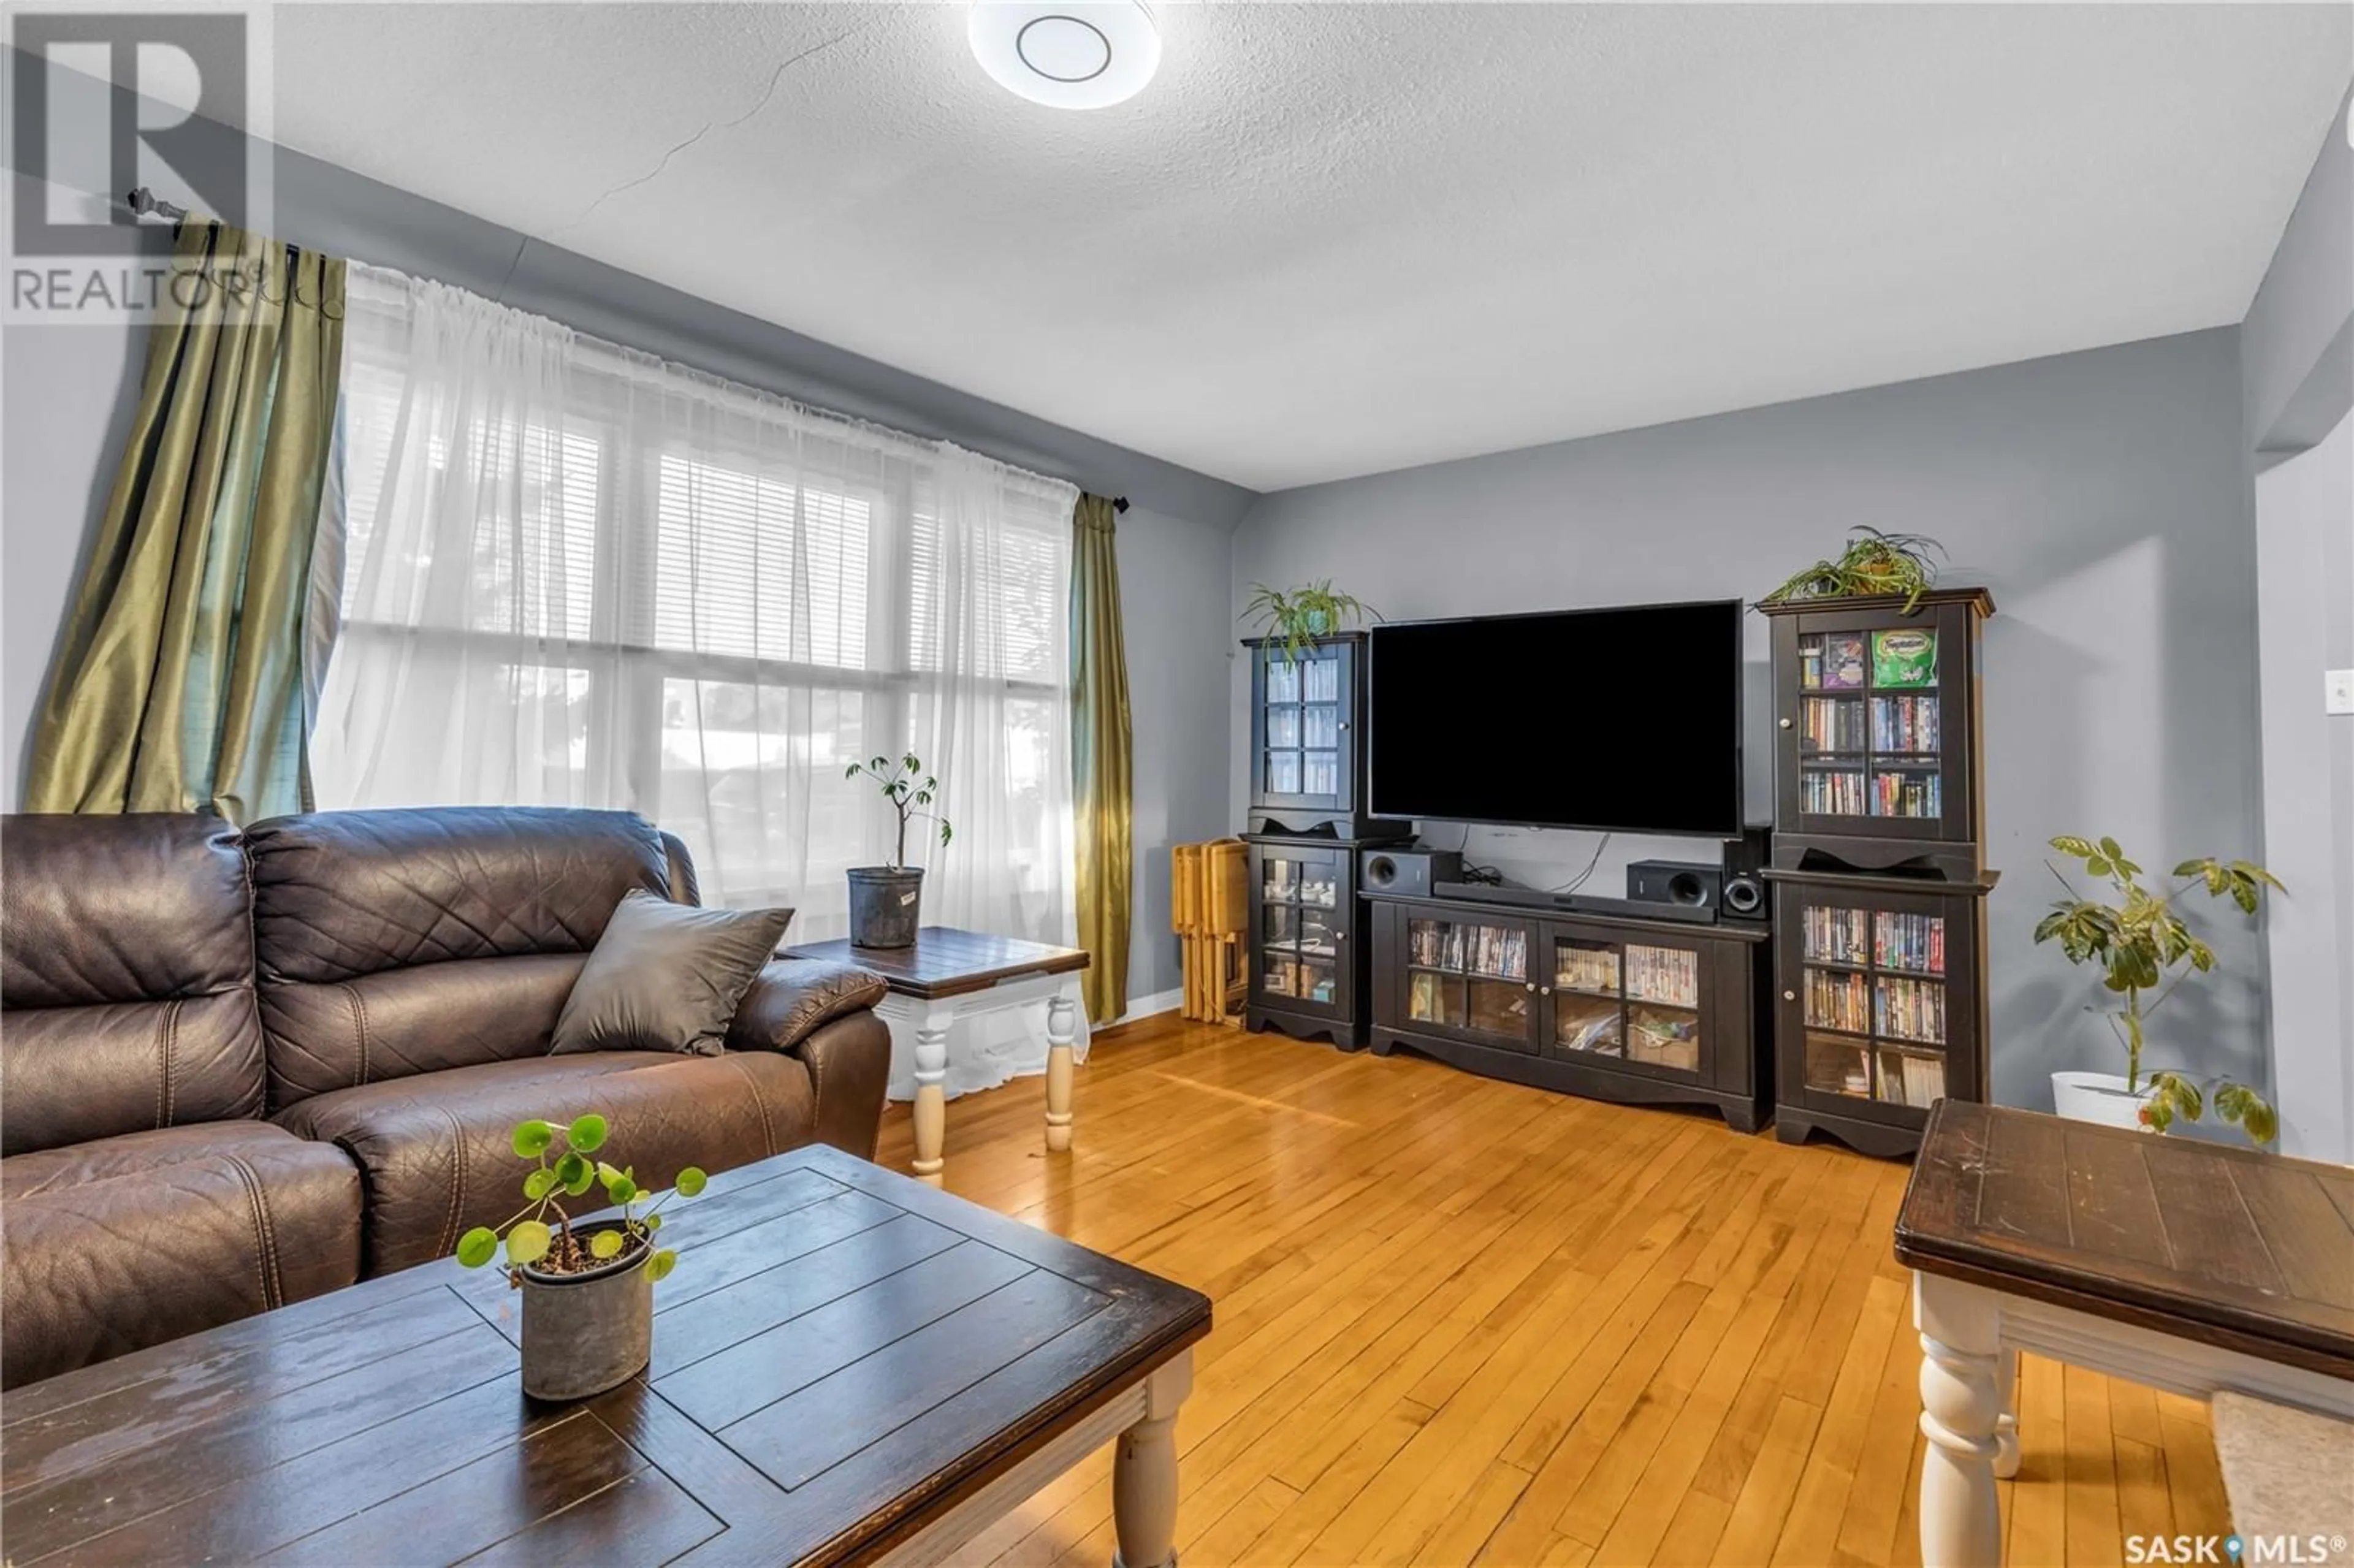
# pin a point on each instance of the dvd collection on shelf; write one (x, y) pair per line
(1832, 663)
(1840, 793)
(1834, 724)
(1669, 976)
(1491, 951)
(1899, 724)
(1905, 795)
(1840, 1001)
(1915, 943)
(1906, 1079)
(1581, 968)
(1909, 1009)
(1833, 936)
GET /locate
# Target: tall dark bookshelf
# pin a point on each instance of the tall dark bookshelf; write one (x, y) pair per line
(1307, 822)
(1879, 880)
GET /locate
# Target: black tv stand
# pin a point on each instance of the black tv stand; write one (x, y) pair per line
(1575, 903)
(1646, 1009)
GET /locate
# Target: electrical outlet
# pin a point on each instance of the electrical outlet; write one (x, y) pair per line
(2337, 691)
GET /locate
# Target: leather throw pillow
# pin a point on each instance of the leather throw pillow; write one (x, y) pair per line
(666, 977)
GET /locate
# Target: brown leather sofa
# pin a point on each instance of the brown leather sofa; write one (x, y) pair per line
(239, 1069)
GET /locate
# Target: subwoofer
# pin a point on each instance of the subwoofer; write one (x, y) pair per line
(1408, 872)
(1692, 884)
(1743, 895)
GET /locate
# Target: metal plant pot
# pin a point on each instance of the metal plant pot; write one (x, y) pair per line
(584, 1333)
(886, 905)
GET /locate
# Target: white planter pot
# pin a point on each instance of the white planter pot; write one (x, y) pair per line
(2099, 1096)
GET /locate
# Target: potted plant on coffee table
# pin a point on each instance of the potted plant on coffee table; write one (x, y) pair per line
(2145, 951)
(588, 1289)
(887, 901)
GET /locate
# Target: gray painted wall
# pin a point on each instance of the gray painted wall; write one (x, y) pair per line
(1173, 580)
(2294, 345)
(2305, 580)
(2105, 499)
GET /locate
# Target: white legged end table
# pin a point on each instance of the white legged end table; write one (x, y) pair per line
(948, 975)
(2192, 1267)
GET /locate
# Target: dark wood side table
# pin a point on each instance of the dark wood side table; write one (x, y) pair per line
(2191, 1267)
(950, 974)
(848, 1367)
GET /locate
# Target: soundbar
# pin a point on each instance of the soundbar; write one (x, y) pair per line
(1575, 903)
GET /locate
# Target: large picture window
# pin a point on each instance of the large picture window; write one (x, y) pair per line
(572, 574)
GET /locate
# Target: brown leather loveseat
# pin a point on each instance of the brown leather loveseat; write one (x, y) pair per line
(240, 1069)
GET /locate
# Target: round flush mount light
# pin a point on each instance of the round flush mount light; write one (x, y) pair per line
(1066, 54)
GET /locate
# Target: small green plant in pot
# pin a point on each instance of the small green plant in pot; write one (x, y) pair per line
(2145, 951)
(1872, 562)
(588, 1289)
(1297, 616)
(887, 901)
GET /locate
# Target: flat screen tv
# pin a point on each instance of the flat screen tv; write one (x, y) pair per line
(1624, 719)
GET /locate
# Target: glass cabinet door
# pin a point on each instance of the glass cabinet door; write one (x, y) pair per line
(1300, 929)
(1301, 752)
(1873, 1003)
(1635, 1002)
(1871, 735)
(1471, 976)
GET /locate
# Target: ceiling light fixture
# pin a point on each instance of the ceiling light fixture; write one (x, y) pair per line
(1066, 54)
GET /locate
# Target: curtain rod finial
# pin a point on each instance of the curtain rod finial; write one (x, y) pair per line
(1119, 504)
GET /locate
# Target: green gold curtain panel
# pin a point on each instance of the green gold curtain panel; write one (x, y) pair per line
(1099, 757)
(178, 682)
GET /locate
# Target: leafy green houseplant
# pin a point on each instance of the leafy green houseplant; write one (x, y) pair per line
(887, 901)
(588, 1289)
(1297, 616)
(2145, 950)
(1872, 562)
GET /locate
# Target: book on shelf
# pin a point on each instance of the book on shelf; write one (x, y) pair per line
(1908, 1009)
(1833, 936)
(1811, 663)
(1840, 1001)
(1667, 975)
(1915, 943)
(1905, 725)
(1590, 969)
(1905, 795)
(1832, 724)
(1831, 792)
(1910, 1080)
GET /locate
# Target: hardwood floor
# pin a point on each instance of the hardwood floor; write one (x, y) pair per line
(1465, 1321)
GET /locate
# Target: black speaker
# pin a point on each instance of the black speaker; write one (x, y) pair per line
(1744, 893)
(1689, 883)
(1412, 871)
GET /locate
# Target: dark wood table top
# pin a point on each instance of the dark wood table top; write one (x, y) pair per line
(946, 961)
(841, 1355)
(2227, 1244)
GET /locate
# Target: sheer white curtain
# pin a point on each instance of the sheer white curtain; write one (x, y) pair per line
(575, 575)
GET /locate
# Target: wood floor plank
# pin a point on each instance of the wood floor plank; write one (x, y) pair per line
(1450, 1308)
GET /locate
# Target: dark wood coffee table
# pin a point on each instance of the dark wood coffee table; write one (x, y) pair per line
(847, 1366)
(2188, 1266)
(950, 974)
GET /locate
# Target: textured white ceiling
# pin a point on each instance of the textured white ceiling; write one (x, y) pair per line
(1335, 239)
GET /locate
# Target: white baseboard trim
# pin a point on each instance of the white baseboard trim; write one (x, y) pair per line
(1146, 1006)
